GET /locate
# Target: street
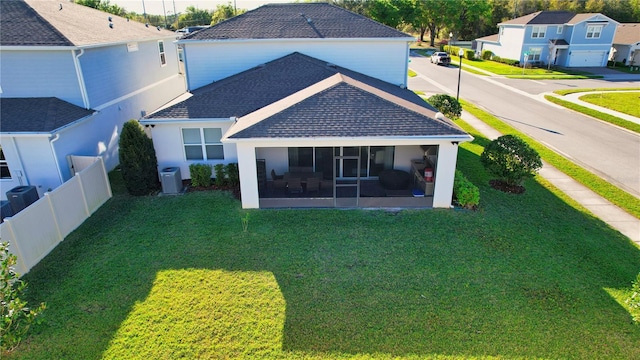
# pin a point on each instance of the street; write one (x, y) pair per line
(608, 151)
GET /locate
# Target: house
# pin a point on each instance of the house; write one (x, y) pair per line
(560, 38)
(313, 92)
(626, 45)
(70, 77)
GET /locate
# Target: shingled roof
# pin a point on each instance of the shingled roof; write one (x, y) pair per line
(63, 23)
(627, 34)
(38, 115)
(297, 21)
(542, 18)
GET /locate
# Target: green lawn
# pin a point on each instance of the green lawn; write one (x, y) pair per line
(527, 276)
(627, 102)
(533, 73)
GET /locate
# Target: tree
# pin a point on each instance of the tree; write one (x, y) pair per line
(103, 5)
(15, 316)
(193, 17)
(224, 12)
(138, 161)
(386, 12)
(511, 159)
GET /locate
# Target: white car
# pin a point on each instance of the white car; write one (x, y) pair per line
(440, 58)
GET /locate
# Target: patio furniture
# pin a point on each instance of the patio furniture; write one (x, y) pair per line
(294, 186)
(313, 185)
(394, 179)
(278, 180)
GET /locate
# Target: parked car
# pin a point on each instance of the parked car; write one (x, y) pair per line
(440, 58)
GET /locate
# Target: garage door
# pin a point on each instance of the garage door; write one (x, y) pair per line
(586, 58)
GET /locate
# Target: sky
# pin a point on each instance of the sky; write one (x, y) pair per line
(154, 7)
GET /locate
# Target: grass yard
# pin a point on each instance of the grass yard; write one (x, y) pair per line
(525, 276)
(626, 102)
(533, 73)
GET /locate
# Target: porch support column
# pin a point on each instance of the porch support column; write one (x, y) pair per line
(248, 176)
(445, 171)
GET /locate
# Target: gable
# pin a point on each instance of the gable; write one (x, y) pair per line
(297, 21)
(38, 115)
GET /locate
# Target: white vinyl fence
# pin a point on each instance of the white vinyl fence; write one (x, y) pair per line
(35, 231)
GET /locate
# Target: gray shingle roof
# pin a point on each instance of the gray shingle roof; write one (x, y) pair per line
(299, 21)
(542, 18)
(39, 115)
(345, 110)
(43, 23)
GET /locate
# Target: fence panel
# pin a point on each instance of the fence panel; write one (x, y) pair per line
(36, 230)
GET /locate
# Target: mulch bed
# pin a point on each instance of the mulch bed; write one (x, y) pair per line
(233, 189)
(504, 187)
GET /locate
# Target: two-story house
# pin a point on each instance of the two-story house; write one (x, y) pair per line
(309, 92)
(70, 77)
(559, 38)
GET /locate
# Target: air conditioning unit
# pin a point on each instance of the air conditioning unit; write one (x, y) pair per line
(22, 196)
(6, 210)
(171, 180)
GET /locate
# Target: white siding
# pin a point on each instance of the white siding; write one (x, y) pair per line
(510, 44)
(40, 74)
(208, 62)
(113, 72)
(167, 141)
(36, 159)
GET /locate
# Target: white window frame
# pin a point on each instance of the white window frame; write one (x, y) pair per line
(534, 54)
(162, 53)
(203, 144)
(593, 30)
(560, 29)
(538, 32)
(4, 166)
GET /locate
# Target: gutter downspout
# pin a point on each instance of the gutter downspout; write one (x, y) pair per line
(83, 87)
(53, 139)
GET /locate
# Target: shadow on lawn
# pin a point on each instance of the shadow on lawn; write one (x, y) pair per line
(521, 277)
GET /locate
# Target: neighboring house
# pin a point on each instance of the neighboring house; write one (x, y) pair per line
(308, 88)
(559, 38)
(626, 45)
(70, 77)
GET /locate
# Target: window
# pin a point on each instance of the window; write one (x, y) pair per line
(559, 29)
(538, 32)
(593, 31)
(534, 54)
(163, 59)
(4, 167)
(199, 143)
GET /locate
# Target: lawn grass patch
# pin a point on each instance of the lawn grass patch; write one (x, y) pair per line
(572, 91)
(600, 186)
(166, 277)
(624, 102)
(412, 73)
(629, 125)
(532, 73)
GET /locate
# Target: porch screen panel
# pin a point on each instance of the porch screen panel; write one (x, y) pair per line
(381, 158)
(302, 156)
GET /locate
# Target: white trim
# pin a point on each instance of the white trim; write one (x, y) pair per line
(137, 92)
(80, 75)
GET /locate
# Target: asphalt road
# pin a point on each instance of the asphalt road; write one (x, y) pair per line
(608, 151)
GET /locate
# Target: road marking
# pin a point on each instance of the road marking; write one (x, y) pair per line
(538, 82)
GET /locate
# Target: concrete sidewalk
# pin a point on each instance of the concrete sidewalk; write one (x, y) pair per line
(617, 218)
(575, 98)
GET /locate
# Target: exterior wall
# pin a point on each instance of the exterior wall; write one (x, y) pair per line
(208, 62)
(167, 141)
(40, 74)
(32, 156)
(510, 43)
(113, 72)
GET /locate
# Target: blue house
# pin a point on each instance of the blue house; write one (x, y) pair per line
(558, 38)
(70, 77)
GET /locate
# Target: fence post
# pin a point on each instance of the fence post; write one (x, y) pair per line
(82, 192)
(54, 215)
(106, 176)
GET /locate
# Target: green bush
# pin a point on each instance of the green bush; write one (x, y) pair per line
(469, 54)
(486, 54)
(221, 179)
(15, 316)
(466, 193)
(505, 61)
(200, 175)
(138, 161)
(511, 159)
(233, 174)
(448, 105)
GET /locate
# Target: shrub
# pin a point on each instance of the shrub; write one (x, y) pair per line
(469, 54)
(634, 300)
(486, 54)
(448, 105)
(220, 176)
(15, 316)
(233, 174)
(511, 159)
(200, 175)
(138, 161)
(467, 194)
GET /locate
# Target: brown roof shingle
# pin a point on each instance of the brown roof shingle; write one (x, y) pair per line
(627, 34)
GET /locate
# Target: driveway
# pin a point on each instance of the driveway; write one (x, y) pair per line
(608, 151)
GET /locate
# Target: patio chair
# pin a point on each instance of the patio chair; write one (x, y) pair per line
(278, 181)
(294, 186)
(275, 177)
(313, 185)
